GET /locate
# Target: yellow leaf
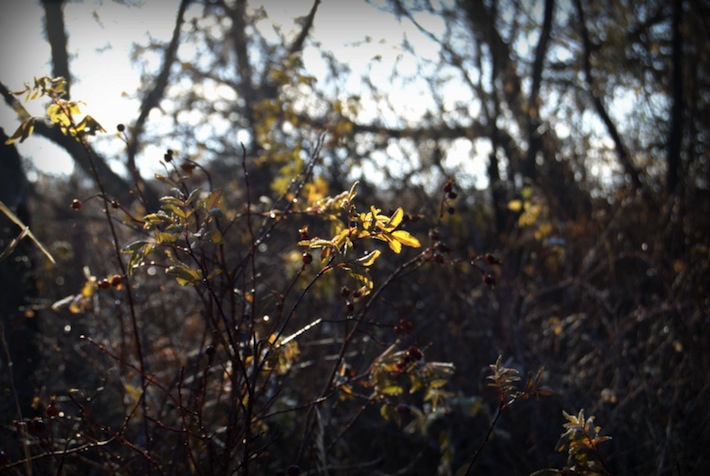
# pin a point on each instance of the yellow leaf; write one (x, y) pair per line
(406, 239)
(88, 289)
(133, 391)
(392, 390)
(369, 259)
(515, 205)
(394, 245)
(396, 219)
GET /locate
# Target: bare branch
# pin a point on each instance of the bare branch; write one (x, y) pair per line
(57, 38)
(153, 97)
(297, 45)
(621, 150)
(115, 184)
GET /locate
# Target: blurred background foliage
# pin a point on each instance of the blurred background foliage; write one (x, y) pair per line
(576, 134)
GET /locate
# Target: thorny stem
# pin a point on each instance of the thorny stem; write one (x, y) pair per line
(501, 407)
(308, 428)
(122, 267)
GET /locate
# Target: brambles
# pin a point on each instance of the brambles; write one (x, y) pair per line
(317, 329)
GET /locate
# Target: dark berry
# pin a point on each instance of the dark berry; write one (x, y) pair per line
(121, 128)
(307, 258)
(489, 279)
(414, 352)
(402, 408)
(491, 260)
(52, 410)
(76, 205)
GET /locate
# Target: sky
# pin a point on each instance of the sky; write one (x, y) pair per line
(100, 37)
(101, 34)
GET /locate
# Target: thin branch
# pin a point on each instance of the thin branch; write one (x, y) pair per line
(153, 97)
(621, 150)
(297, 45)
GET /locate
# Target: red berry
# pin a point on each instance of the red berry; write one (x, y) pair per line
(489, 279)
(414, 352)
(116, 280)
(104, 284)
(52, 410)
(76, 205)
(448, 187)
(405, 324)
(402, 408)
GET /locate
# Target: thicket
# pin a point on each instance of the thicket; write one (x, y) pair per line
(337, 332)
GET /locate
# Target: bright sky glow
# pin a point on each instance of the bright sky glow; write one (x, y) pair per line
(100, 39)
(101, 36)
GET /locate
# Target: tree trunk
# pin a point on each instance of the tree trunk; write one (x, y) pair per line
(17, 291)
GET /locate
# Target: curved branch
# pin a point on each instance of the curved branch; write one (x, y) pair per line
(621, 150)
(153, 97)
(115, 184)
